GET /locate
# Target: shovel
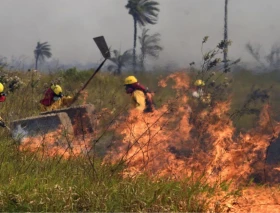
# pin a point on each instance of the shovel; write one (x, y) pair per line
(102, 46)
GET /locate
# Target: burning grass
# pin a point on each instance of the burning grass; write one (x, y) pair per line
(56, 144)
(178, 141)
(183, 157)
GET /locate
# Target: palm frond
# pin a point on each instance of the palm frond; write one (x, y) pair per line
(120, 60)
(42, 51)
(149, 45)
(144, 11)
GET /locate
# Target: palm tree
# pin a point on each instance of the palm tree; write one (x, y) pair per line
(143, 12)
(149, 46)
(226, 36)
(42, 51)
(120, 61)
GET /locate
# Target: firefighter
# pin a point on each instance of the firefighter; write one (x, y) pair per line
(142, 98)
(2, 99)
(199, 93)
(54, 99)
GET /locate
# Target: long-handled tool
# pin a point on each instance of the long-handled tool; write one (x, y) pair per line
(102, 46)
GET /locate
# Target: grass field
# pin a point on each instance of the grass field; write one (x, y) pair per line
(32, 183)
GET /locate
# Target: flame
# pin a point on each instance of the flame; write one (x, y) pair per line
(178, 140)
(167, 142)
(61, 143)
(146, 143)
(56, 143)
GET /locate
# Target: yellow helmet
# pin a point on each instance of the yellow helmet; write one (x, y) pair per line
(56, 89)
(130, 80)
(1, 87)
(199, 83)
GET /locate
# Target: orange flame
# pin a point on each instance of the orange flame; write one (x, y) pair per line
(56, 144)
(166, 142)
(178, 141)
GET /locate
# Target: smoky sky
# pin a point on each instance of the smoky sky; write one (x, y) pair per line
(70, 25)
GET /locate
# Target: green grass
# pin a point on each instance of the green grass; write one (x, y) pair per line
(30, 183)
(104, 91)
(243, 83)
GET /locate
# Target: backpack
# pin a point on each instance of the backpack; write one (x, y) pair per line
(150, 106)
(48, 98)
(148, 96)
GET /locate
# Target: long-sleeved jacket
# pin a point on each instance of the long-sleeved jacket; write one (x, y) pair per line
(60, 103)
(51, 102)
(138, 100)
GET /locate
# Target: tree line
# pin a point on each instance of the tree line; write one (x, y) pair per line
(143, 12)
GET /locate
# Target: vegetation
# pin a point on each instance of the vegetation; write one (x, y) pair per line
(270, 61)
(41, 52)
(143, 12)
(149, 45)
(36, 184)
(120, 61)
(31, 182)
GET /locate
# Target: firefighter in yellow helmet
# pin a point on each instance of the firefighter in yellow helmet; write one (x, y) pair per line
(199, 93)
(54, 99)
(2, 99)
(199, 83)
(141, 97)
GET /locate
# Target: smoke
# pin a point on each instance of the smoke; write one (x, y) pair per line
(70, 25)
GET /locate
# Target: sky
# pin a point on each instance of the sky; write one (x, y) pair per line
(70, 25)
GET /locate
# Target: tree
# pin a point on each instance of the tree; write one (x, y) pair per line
(271, 60)
(149, 46)
(226, 36)
(143, 12)
(255, 52)
(42, 51)
(120, 61)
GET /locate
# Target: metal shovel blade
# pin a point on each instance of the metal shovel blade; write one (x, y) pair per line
(102, 46)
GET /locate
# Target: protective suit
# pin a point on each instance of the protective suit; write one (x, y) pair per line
(199, 93)
(54, 99)
(142, 99)
(2, 99)
(138, 100)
